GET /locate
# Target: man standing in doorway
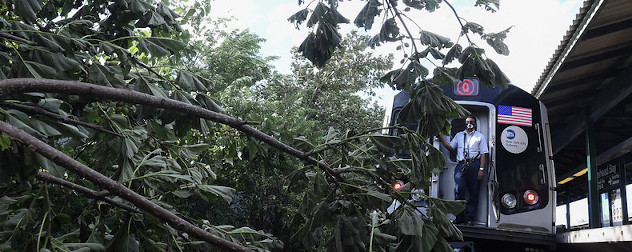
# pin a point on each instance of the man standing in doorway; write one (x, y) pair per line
(471, 147)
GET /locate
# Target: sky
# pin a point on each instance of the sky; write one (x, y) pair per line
(538, 27)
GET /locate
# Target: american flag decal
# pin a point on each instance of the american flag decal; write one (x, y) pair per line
(514, 115)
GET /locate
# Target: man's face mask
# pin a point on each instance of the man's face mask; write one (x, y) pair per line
(470, 125)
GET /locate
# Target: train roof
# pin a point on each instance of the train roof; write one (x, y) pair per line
(489, 95)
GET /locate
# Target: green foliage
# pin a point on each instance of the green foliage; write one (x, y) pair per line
(214, 175)
(490, 5)
(367, 15)
(330, 94)
(347, 212)
(320, 44)
(160, 154)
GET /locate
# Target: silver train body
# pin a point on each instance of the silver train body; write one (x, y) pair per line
(517, 194)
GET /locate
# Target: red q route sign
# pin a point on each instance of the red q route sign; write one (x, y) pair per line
(466, 87)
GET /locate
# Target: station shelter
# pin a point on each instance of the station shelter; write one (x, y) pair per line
(587, 89)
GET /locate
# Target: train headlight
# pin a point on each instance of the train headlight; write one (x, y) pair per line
(509, 200)
(398, 184)
(531, 197)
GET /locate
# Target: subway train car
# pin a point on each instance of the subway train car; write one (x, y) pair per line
(516, 207)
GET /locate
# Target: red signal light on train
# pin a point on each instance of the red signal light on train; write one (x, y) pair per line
(397, 185)
(531, 197)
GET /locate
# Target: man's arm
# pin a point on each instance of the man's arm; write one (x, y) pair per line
(481, 170)
(444, 142)
(483, 147)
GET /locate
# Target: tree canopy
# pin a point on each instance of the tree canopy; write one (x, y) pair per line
(122, 130)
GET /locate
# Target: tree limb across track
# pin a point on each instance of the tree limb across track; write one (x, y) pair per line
(23, 85)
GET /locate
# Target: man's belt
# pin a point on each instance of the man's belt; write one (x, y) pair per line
(469, 160)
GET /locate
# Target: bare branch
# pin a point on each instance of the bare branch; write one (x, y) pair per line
(399, 16)
(37, 110)
(459, 19)
(91, 193)
(16, 38)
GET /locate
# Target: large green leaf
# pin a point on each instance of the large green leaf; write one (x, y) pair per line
(299, 17)
(17, 118)
(158, 47)
(500, 77)
(166, 175)
(490, 5)
(34, 69)
(430, 237)
(224, 192)
(389, 30)
(387, 144)
(496, 41)
(453, 53)
(432, 5)
(27, 9)
(379, 195)
(321, 186)
(44, 128)
(367, 15)
(151, 19)
(124, 240)
(318, 14)
(105, 75)
(4, 23)
(447, 206)
(190, 82)
(69, 129)
(138, 6)
(444, 76)
(52, 43)
(149, 88)
(168, 14)
(318, 47)
(444, 225)
(208, 103)
(434, 40)
(155, 160)
(473, 27)
(337, 17)
(110, 48)
(407, 77)
(409, 221)
(49, 166)
(417, 4)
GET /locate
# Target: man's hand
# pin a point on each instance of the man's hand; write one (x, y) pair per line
(480, 174)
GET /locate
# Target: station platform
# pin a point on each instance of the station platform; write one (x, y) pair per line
(606, 239)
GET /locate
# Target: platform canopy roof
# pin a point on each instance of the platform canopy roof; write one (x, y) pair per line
(589, 79)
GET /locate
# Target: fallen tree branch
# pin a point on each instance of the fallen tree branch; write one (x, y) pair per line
(36, 110)
(91, 193)
(116, 188)
(23, 85)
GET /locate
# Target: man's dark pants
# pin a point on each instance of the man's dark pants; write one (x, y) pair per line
(467, 181)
